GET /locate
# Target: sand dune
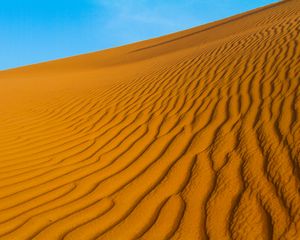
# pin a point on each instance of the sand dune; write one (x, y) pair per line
(194, 135)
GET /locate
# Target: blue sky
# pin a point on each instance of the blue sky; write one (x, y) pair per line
(33, 31)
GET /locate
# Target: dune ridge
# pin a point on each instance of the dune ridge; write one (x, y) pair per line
(194, 135)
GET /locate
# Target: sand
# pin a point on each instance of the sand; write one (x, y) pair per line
(194, 135)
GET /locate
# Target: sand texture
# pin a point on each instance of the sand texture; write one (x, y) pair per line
(194, 135)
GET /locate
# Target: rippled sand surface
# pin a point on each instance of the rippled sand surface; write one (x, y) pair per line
(194, 135)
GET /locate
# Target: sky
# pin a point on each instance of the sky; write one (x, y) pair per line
(33, 31)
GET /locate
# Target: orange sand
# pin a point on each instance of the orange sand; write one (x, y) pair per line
(194, 135)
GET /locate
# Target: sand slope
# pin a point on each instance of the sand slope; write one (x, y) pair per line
(195, 135)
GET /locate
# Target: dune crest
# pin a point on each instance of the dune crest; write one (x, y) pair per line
(194, 135)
